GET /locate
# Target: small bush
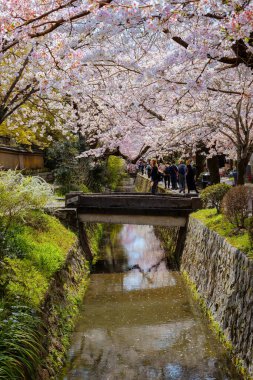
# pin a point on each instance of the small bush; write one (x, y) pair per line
(19, 195)
(84, 188)
(235, 205)
(212, 196)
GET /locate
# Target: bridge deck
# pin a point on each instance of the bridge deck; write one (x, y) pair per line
(133, 208)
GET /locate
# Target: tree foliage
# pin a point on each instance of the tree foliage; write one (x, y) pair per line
(129, 76)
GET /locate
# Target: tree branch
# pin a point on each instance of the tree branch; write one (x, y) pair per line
(153, 113)
(55, 24)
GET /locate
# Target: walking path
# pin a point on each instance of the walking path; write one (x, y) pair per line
(55, 202)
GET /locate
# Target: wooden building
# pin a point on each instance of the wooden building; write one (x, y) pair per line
(17, 157)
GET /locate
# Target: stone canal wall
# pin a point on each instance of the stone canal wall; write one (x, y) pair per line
(60, 309)
(224, 279)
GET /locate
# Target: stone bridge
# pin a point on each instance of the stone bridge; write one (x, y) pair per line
(132, 208)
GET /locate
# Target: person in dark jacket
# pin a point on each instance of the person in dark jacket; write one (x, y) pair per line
(154, 176)
(190, 177)
(167, 176)
(173, 176)
(181, 176)
(148, 169)
(141, 167)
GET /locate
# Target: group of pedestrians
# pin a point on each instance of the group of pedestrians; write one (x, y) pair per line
(176, 177)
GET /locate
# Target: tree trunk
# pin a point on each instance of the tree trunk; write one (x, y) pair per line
(200, 162)
(241, 170)
(213, 167)
(201, 153)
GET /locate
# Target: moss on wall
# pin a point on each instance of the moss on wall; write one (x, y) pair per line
(60, 310)
(63, 300)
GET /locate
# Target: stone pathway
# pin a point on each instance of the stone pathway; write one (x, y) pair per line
(55, 203)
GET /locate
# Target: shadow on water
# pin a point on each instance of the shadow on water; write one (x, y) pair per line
(138, 320)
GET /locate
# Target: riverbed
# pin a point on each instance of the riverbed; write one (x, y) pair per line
(139, 320)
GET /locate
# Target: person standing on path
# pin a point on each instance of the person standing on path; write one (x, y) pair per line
(141, 167)
(154, 176)
(173, 176)
(148, 169)
(167, 176)
(161, 169)
(190, 178)
(181, 176)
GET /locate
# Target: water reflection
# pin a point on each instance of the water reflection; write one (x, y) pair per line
(146, 259)
(141, 323)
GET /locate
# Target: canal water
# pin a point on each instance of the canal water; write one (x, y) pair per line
(139, 321)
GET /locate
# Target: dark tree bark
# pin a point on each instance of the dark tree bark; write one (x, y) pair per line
(200, 163)
(231, 164)
(242, 54)
(241, 169)
(118, 153)
(201, 152)
(213, 167)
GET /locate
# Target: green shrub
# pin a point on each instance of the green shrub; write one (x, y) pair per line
(20, 194)
(69, 171)
(97, 180)
(218, 223)
(13, 245)
(212, 196)
(115, 171)
(235, 205)
(84, 188)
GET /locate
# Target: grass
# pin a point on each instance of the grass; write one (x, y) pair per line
(217, 222)
(34, 249)
(20, 347)
(35, 252)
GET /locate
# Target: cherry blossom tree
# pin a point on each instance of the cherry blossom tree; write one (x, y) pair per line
(131, 76)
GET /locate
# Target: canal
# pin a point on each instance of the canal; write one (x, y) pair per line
(139, 320)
